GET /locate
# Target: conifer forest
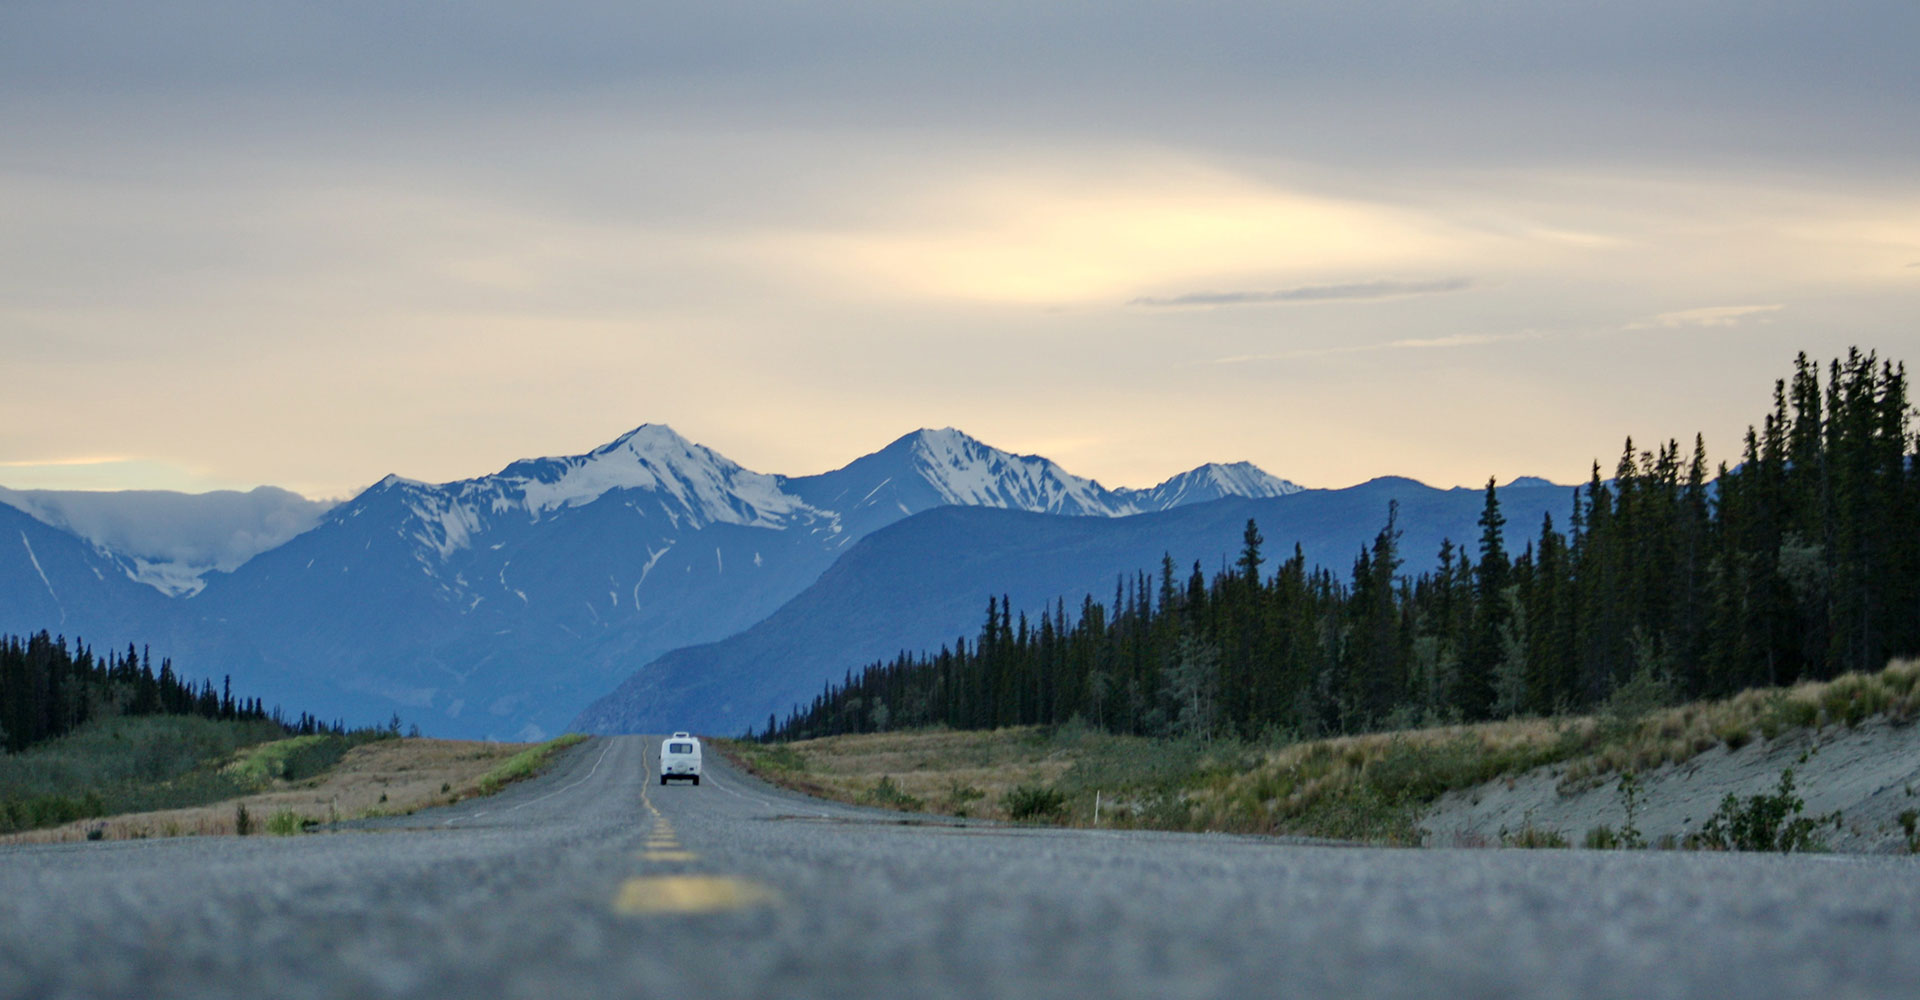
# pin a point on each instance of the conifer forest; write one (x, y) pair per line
(49, 688)
(1800, 561)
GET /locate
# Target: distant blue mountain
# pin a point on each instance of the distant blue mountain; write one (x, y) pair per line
(501, 606)
(171, 540)
(52, 579)
(924, 582)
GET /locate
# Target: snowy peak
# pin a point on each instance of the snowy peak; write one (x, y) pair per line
(709, 486)
(935, 468)
(1212, 482)
(653, 468)
(966, 472)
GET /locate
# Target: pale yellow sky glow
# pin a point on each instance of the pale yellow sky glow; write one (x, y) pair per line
(226, 262)
(1067, 237)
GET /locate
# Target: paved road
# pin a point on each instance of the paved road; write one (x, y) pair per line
(593, 881)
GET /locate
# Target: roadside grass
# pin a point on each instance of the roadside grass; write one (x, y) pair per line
(523, 765)
(378, 778)
(952, 772)
(1371, 787)
(1675, 735)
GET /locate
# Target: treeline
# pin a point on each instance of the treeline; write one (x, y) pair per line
(1803, 561)
(47, 689)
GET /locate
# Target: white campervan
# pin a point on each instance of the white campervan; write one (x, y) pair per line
(680, 758)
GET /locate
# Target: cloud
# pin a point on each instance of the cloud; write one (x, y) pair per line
(107, 473)
(1405, 344)
(55, 463)
(1360, 291)
(1707, 317)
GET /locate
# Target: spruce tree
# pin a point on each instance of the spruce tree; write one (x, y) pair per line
(1486, 644)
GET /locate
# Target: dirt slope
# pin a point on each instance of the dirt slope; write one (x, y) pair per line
(1870, 774)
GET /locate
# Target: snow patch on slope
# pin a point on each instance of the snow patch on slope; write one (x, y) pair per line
(43, 577)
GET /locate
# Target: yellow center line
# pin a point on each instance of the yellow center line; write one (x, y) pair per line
(674, 855)
(690, 894)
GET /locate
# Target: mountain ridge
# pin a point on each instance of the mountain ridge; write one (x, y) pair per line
(502, 604)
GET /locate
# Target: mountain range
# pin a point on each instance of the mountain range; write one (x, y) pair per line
(501, 606)
(924, 582)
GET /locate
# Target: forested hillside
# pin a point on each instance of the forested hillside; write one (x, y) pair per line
(48, 689)
(1800, 562)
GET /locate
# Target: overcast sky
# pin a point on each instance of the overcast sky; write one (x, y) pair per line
(307, 244)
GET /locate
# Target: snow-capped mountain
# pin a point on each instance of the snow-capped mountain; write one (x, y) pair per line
(938, 468)
(499, 606)
(702, 484)
(1212, 481)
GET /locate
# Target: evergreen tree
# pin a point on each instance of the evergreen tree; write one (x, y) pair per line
(1486, 644)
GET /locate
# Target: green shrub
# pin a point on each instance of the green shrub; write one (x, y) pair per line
(1770, 822)
(1034, 802)
(888, 795)
(1785, 713)
(242, 820)
(1602, 838)
(961, 796)
(1854, 697)
(776, 757)
(49, 810)
(285, 823)
(292, 759)
(1629, 788)
(1735, 735)
(1530, 836)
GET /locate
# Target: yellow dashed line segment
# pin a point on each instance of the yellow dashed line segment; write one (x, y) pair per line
(690, 894)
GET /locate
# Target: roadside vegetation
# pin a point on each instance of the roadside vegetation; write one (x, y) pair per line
(1371, 787)
(107, 747)
(524, 765)
(296, 784)
(88, 735)
(125, 764)
(141, 764)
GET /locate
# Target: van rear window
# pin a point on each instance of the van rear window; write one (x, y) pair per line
(679, 748)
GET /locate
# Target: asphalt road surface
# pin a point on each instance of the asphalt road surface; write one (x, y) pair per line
(596, 881)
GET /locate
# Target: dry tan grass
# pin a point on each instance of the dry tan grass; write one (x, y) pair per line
(383, 777)
(947, 771)
(1675, 735)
